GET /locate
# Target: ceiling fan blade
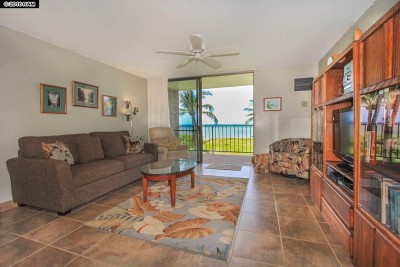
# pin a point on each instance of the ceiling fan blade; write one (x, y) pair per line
(184, 63)
(211, 62)
(226, 51)
(196, 41)
(173, 52)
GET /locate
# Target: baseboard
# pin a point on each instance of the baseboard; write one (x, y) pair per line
(7, 205)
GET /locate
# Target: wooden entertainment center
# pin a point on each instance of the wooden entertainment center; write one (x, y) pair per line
(362, 206)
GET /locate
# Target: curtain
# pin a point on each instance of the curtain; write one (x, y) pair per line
(157, 93)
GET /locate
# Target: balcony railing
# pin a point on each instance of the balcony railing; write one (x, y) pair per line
(234, 138)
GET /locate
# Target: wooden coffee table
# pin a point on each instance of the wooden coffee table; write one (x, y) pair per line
(167, 170)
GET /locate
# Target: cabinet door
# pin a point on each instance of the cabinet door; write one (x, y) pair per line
(396, 44)
(386, 254)
(378, 54)
(363, 241)
(315, 187)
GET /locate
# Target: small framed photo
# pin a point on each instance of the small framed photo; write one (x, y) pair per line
(109, 105)
(273, 104)
(85, 95)
(53, 99)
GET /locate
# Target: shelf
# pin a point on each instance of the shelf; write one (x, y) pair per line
(380, 85)
(340, 99)
(388, 170)
(336, 165)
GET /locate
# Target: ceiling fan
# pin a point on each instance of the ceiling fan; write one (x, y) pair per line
(199, 52)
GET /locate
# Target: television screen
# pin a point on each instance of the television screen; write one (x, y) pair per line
(347, 133)
(343, 134)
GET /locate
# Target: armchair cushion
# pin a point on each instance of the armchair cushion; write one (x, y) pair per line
(172, 143)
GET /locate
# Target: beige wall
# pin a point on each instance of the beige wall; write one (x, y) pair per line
(293, 120)
(377, 10)
(25, 62)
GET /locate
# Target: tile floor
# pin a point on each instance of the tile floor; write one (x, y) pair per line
(279, 226)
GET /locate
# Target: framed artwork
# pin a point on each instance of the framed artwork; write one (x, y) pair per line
(85, 95)
(53, 99)
(109, 106)
(273, 104)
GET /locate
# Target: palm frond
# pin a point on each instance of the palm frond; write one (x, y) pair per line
(211, 116)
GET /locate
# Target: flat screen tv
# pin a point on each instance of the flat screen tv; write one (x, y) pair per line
(343, 134)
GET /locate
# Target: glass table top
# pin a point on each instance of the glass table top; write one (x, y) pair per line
(166, 167)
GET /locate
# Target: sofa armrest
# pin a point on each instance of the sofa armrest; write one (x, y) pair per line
(43, 183)
(151, 148)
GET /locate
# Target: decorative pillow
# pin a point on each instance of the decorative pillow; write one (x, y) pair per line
(58, 151)
(90, 149)
(172, 142)
(134, 146)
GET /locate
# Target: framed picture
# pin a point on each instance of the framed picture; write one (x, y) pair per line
(273, 104)
(53, 99)
(85, 95)
(109, 105)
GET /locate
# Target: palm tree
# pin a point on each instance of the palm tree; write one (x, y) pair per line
(188, 105)
(251, 112)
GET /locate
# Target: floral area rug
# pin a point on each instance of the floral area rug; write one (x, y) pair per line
(203, 219)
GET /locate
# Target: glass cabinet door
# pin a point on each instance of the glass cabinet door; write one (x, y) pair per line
(380, 157)
(317, 138)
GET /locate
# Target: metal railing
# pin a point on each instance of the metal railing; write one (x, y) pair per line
(395, 153)
(234, 138)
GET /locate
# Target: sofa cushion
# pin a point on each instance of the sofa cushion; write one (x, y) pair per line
(112, 142)
(87, 173)
(30, 146)
(57, 151)
(135, 160)
(90, 149)
(112, 146)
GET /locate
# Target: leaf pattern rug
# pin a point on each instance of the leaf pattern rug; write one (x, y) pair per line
(203, 220)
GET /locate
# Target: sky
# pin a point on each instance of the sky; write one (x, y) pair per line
(228, 103)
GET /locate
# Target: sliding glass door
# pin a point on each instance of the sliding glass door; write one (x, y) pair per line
(184, 108)
(213, 114)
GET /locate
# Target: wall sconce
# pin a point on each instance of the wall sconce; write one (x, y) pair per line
(132, 110)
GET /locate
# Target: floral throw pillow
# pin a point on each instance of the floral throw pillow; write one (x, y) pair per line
(134, 146)
(58, 151)
(172, 143)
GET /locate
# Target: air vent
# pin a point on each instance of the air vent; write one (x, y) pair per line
(303, 84)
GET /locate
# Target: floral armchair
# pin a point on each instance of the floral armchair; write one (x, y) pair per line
(291, 157)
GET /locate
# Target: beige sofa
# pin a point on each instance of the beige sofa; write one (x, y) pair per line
(161, 136)
(101, 165)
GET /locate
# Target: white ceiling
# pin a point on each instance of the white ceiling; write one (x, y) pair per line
(125, 33)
